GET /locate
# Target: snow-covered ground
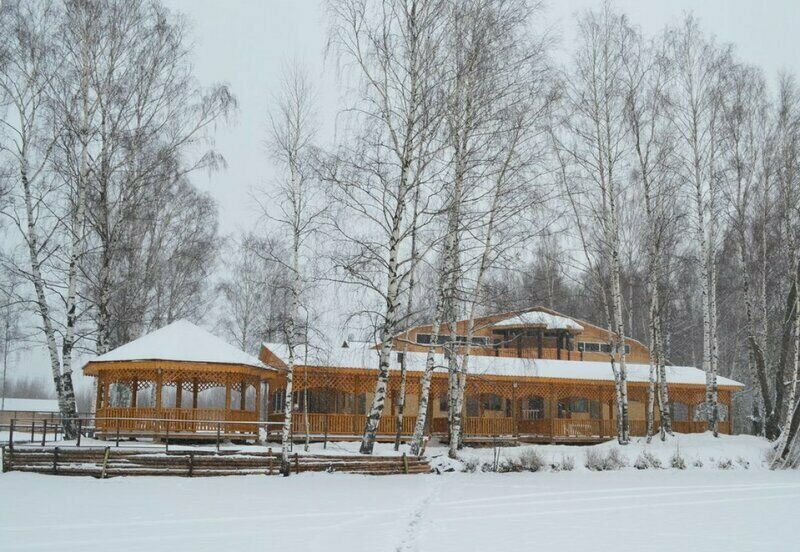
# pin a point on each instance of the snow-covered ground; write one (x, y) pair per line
(740, 508)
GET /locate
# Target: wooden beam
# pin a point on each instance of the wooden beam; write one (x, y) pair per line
(98, 403)
(134, 392)
(178, 394)
(243, 395)
(539, 339)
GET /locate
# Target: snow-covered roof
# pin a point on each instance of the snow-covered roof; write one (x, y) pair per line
(180, 341)
(539, 318)
(367, 357)
(29, 405)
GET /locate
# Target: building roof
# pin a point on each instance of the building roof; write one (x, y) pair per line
(367, 358)
(29, 405)
(540, 318)
(180, 341)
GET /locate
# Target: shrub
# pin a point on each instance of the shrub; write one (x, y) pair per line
(471, 464)
(508, 465)
(742, 462)
(567, 463)
(647, 460)
(677, 461)
(697, 463)
(725, 464)
(531, 460)
(612, 460)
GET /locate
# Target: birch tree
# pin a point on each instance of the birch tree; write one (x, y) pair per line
(34, 61)
(598, 145)
(647, 83)
(393, 47)
(294, 209)
(698, 66)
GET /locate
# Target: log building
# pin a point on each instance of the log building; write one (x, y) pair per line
(535, 375)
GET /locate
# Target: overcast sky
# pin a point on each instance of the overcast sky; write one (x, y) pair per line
(247, 42)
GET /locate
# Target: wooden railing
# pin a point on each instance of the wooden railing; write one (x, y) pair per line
(552, 354)
(349, 424)
(174, 420)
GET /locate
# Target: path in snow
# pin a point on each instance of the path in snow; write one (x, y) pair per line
(710, 510)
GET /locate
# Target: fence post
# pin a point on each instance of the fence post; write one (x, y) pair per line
(405, 463)
(33, 430)
(269, 461)
(11, 435)
(191, 463)
(296, 463)
(44, 431)
(166, 441)
(105, 463)
(325, 440)
(218, 428)
(117, 432)
(55, 460)
(80, 428)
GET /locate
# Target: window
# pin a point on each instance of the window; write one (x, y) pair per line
(533, 408)
(477, 341)
(589, 347)
(679, 411)
(492, 402)
(400, 358)
(278, 400)
(578, 405)
(443, 406)
(473, 407)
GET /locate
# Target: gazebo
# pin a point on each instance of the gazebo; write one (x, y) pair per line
(181, 365)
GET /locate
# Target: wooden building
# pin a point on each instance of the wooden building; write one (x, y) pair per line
(25, 411)
(166, 374)
(535, 375)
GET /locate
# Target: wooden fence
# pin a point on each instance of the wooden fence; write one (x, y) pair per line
(105, 462)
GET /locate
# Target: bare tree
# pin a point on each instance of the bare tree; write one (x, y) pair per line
(295, 210)
(598, 144)
(393, 46)
(699, 65)
(648, 74)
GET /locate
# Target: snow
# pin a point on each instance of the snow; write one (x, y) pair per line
(702, 508)
(367, 357)
(180, 341)
(539, 318)
(30, 405)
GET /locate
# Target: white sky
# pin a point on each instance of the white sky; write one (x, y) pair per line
(247, 42)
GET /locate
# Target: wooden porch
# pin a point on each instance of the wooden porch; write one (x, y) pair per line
(331, 403)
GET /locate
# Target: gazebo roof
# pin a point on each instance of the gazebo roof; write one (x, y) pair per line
(180, 341)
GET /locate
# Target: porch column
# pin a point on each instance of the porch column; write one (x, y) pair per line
(514, 408)
(559, 339)
(159, 381)
(195, 391)
(227, 392)
(134, 392)
(258, 407)
(568, 337)
(242, 395)
(100, 393)
(539, 339)
(106, 394)
(178, 394)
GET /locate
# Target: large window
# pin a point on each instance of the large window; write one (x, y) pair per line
(581, 406)
(533, 408)
(590, 347)
(479, 341)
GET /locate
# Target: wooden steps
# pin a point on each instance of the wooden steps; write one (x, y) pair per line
(111, 462)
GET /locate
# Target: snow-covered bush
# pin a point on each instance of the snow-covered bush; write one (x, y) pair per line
(697, 463)
(647, 460)
(725, 464)
(567, 463)
(742, 462)
(471, 464)
(531, 460)
(677, 461)
(612, 460)
(508, 465)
